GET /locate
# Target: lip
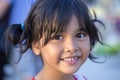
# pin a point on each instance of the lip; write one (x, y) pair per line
(71, 60)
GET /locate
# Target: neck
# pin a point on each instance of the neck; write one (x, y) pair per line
(49, 75)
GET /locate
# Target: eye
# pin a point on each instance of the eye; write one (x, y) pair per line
(58, 37)
(81, 35)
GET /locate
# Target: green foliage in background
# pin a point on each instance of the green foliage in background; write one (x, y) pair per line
(109, 49)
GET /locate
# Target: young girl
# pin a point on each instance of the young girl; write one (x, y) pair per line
(62, 33)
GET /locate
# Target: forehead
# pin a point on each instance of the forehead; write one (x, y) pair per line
(73, 24)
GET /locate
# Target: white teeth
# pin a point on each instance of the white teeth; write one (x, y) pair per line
(70, 59)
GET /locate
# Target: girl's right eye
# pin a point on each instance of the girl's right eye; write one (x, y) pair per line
(58, 37)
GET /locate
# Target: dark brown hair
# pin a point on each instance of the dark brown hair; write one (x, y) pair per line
(50, 17)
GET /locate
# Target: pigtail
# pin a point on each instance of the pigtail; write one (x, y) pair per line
(19, 36)
(13, 33)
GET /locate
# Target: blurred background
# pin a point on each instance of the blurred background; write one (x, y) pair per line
(108, 11)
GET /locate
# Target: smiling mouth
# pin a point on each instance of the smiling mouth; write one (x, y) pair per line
(71, 60)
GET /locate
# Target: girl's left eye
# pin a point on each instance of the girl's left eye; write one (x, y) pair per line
(81, 35)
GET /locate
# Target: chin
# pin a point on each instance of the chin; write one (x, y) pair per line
(71, 71)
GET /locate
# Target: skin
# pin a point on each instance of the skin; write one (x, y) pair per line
(65, 54)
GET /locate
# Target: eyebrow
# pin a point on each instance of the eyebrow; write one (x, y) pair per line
(80, 29)
(77, 30)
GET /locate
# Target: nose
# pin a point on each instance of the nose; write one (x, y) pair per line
(71, 45)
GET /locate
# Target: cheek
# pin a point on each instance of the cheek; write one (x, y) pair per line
(85, 49)
(55, 49)
(51, 50)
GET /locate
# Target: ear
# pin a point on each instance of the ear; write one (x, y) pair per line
(36, 48)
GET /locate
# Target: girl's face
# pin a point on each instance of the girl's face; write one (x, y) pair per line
(67, 51)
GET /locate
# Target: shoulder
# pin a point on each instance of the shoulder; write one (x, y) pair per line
(80, 77)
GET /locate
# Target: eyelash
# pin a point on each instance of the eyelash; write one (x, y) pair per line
(58, 37)
(80, 35)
